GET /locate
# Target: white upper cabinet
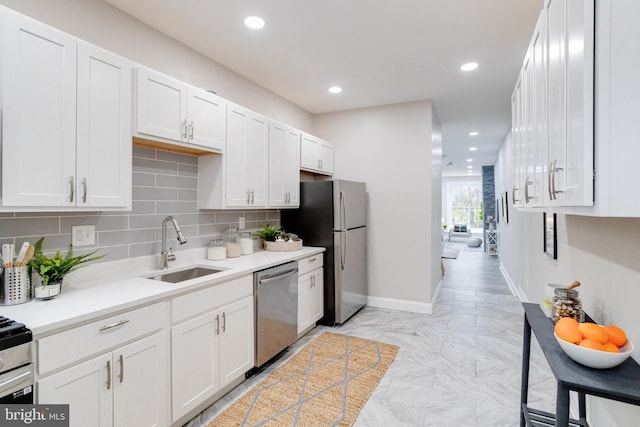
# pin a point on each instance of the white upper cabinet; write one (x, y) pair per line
(170, 110)
(570, 91)
(66, 120)
(239, 177)
(316, 155)
(284, 172)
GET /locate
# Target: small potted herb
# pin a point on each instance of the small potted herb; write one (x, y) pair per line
(270, 234)
(49, 271)
(277, 240)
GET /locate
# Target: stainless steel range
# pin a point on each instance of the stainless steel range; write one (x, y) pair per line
(16, 367)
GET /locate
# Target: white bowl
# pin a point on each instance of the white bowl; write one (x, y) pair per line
(595, 358)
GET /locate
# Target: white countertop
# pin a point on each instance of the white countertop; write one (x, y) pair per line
(103, 289)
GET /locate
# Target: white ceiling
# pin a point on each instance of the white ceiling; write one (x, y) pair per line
(379, 51)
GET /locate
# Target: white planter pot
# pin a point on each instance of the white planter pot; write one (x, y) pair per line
(52, 290)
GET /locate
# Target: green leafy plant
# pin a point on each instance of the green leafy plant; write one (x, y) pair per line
(53, 269)
(270, 234)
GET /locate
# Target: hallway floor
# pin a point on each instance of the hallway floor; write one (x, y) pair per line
(457, 367)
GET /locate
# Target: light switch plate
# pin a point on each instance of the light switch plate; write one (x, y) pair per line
(83, 235)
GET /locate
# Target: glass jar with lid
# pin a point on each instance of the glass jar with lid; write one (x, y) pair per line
(566, 303)
(246, 243)
(217, 249)
(232, 244)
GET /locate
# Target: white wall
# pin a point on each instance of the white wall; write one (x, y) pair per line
(390, 148)
(601, 253)
(103, 25)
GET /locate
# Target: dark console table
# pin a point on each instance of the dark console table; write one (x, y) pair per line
(621, 383)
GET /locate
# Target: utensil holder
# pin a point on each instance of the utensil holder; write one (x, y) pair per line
(15, 286)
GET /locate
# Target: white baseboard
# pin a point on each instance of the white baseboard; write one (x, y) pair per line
(514, 288)
(398, 304)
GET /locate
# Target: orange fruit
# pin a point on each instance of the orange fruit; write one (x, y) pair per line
(593, 332)
(611, 347)
(567, 329)
(616, 335)
(592, 344)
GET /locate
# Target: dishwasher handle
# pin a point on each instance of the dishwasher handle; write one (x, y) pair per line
(277, 277)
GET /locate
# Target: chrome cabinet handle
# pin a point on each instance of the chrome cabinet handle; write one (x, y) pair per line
(549, 181)
(217, 324)
(553, 179)
(183, 131)
(313, 281)
(84, 189)
(252, 197)
(191, 130)
(121, 376)
(224, 322)
(527, 198)
(513, 194)
(248, 196)
(71, 186)
(114, 325)
(312, 260)
(108, 375)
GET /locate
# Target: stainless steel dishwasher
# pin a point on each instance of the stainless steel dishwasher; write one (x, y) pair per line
(275, 291)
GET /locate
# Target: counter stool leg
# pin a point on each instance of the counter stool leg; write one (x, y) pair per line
(524, 385)
(562, 406)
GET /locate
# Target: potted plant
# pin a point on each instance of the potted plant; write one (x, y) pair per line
(270, 234)
(49, 271)
(276, 239)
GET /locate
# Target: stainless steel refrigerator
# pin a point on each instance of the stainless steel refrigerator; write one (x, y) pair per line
(333, 214)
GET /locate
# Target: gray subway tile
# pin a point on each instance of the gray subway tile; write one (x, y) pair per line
(148, 153)
(143, 207)
(177, 157)
(102, 223)
(143, 249)
(150, 193)
(107, 238)
(210, 229)
(144, 179)
(188, 195)
(15, 227)
(145, 221)
(188, 219)
(154, 166)
(187, 170)
(113, 253)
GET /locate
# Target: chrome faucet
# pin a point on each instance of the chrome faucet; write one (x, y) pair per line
(166, 256)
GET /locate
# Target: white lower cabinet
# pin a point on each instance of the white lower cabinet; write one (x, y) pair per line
(124, 387)
(112, 372)
(214, 348)
(310, 292)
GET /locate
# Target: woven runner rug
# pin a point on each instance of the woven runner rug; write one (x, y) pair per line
(325, 384)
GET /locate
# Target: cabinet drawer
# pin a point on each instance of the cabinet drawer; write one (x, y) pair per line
(186, 306)
(308, 264)
(67, 347)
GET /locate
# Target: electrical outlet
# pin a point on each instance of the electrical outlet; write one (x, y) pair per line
(83, 235)
(241, 223)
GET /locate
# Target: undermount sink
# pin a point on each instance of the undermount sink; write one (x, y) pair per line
(182, 275)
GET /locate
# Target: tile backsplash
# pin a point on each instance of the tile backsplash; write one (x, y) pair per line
(164, 183)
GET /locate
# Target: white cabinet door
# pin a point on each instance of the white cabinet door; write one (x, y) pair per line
(537, 168)
(310, 299)
(236, 340)
(103, 129)
(206, 116)
(237, 192)
(161, 105)
(140, 383)
(245, 158)
(194, 367)
(316, 155)
(257, 159)
(571, 43)
(38, 113)
(517, 193)
(325, 157)
(87, 389)
(284, 175)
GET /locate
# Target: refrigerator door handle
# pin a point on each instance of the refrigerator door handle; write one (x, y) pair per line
(343, 212)
(343, 250)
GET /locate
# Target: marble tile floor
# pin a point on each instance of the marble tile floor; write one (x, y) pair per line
(459, 366)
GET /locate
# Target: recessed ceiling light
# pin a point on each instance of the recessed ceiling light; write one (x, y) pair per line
(469, 160)
(469, 66)
(254, 22)
(474, 133)
(473, 148)
(469, 167)
(335, 89)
